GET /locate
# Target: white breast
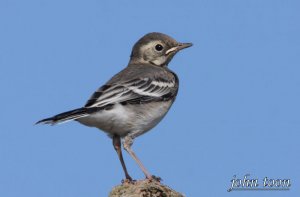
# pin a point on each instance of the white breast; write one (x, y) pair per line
(124, 119)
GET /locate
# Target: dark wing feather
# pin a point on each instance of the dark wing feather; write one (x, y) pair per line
(141, 90)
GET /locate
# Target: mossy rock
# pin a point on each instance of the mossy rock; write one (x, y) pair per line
(144, 188)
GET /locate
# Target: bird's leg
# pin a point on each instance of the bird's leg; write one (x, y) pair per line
(117, 146)
(128, 141)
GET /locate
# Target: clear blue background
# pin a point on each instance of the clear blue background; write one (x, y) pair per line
(237, 112)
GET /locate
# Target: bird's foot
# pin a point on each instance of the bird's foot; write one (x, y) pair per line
(154, 178)
(128, 181)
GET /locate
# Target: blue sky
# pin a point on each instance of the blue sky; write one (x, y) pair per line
(237, 111)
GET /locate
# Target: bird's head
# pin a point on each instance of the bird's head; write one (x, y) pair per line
(156, 48)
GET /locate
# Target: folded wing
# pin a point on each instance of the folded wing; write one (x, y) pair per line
(135, 91)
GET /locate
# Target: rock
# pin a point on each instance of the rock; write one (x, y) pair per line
(144, 188)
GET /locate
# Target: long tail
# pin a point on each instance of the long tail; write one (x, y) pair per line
(68, 116)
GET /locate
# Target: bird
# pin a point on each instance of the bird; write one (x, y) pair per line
(134, 100)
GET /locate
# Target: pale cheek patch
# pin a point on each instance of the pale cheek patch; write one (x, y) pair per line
(160, 60)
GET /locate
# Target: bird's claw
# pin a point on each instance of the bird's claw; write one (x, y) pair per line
(128, 181)
(154, 178)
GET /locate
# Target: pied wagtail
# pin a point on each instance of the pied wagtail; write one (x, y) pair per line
(134, 100)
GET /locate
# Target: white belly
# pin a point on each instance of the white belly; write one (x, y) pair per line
(124, 119)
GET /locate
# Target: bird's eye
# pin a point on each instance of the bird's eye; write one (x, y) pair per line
(159, 47)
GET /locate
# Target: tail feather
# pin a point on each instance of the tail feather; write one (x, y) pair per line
(67, 116)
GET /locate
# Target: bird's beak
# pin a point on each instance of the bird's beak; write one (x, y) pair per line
(183, 46)
(179, 47)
